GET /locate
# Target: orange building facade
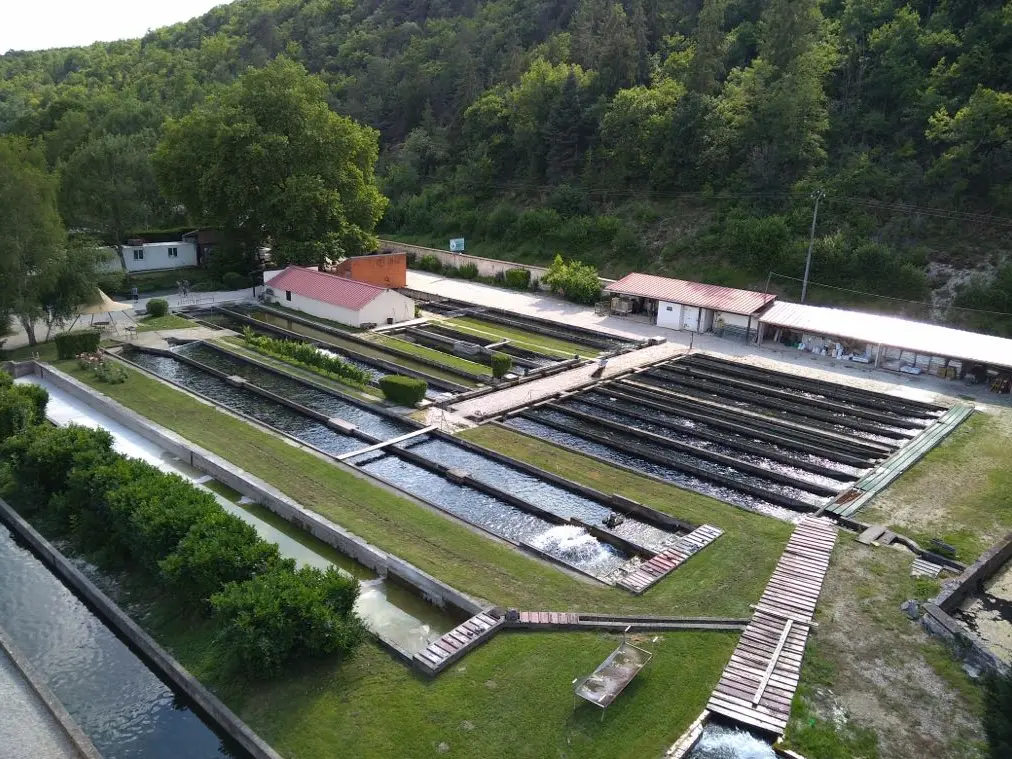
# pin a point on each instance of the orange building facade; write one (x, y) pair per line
(380, 269)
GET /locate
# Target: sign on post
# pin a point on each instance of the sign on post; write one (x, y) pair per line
(457, 245)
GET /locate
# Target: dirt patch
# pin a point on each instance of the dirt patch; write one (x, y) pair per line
(886, 674)
(989, 613)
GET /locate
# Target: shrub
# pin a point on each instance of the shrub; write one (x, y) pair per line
(517, 279)
(305, 355)
(282, 614)
(468, 271)
(17, 413)
(215, 552)
(232, 280)
(38, 396)
(405, 391)
(72, 344)
(158, 307)
(429, 262)
(103, 368)
(577, 282)
(6, 380)
(501, 364)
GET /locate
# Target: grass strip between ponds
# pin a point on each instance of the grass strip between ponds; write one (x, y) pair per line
(446, 359)
(511, 697)
(169, 321)
(521, 338)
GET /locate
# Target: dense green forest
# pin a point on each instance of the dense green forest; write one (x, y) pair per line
(676, 136)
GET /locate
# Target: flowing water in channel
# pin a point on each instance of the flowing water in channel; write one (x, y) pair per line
(719, 742)
(681, 479)
(119, 703)
(469, 504)
(393, 612)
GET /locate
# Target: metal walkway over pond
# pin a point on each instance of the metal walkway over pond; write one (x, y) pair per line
(758, 684)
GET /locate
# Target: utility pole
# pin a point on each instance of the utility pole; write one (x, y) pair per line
(817, 195)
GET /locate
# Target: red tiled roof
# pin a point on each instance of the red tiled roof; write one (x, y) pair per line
(327, 288)
(691, 293)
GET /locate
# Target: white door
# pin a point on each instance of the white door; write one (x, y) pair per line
(690, 319)
(669, 315)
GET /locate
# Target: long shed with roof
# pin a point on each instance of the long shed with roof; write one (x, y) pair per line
(691, 306)
(327, 296)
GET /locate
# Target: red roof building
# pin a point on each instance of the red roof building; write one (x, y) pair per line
(339, 299)
(693, 306)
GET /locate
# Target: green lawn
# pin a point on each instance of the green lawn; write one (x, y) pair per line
(961, 491)
(722, 580)
(445, 359)
(521, 338)
(511, 697)
(169, 321)
(46, 352)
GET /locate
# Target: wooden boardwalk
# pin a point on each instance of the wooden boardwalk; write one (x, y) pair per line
(758, 683)
(652, 571)
(441, 653)
(854, 498)
(565, 620)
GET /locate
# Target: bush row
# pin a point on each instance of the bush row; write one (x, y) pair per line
(133, 516)
(305, 355)
(21, 406)
(514, 279)
(73, 344)
(406, 391)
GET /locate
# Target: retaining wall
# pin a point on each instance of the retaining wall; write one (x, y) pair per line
(168, 668)
(435, 591)
(937, 617)
(81, 743)
(487, 267)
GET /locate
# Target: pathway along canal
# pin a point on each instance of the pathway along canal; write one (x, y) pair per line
(420, 466)
(392, 612)
(120, 704)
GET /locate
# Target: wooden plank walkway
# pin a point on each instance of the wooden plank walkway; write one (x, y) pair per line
(385, 443)
(652, 571)
(758, 683)
(856, 497)
(564, 620)
(441, 653)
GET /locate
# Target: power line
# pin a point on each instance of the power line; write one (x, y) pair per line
(889, 297)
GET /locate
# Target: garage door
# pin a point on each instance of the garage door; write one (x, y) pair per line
(669, 315)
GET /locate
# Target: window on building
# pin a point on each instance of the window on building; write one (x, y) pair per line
(288, 294)
(138, 254)
(668, 307)
(173, 252)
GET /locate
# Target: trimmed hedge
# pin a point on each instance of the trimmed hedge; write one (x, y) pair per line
(233, 280)
(404, 391)
(501, 364)
(158, 307)
(73, 344)
(517, 279)
(130, 514)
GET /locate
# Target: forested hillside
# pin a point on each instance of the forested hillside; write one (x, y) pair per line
(678, 136)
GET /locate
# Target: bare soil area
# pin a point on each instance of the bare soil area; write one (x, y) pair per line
(873, 677)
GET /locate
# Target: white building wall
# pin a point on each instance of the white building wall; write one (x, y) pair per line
(388, 305)
(732, 320)
(319, 308)
(155, 257)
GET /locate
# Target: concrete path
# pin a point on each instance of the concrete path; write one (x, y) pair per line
(122, 319)
(159, 338)
(920, 387)
(511, 397)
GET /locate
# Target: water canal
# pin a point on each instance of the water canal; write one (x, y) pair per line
(421, 466)
(719, 742)
(120, 704)
(392, 612)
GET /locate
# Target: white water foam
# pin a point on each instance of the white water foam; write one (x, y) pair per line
(729, 743)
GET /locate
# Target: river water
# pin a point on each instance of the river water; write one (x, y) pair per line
(718, 742)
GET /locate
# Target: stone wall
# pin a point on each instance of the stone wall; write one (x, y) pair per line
(487, 267)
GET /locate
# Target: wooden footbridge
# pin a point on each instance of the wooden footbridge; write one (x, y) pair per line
(758, 684)
(650, 572)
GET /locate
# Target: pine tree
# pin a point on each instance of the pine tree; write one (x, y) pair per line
(564, 132)
(707, 62)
